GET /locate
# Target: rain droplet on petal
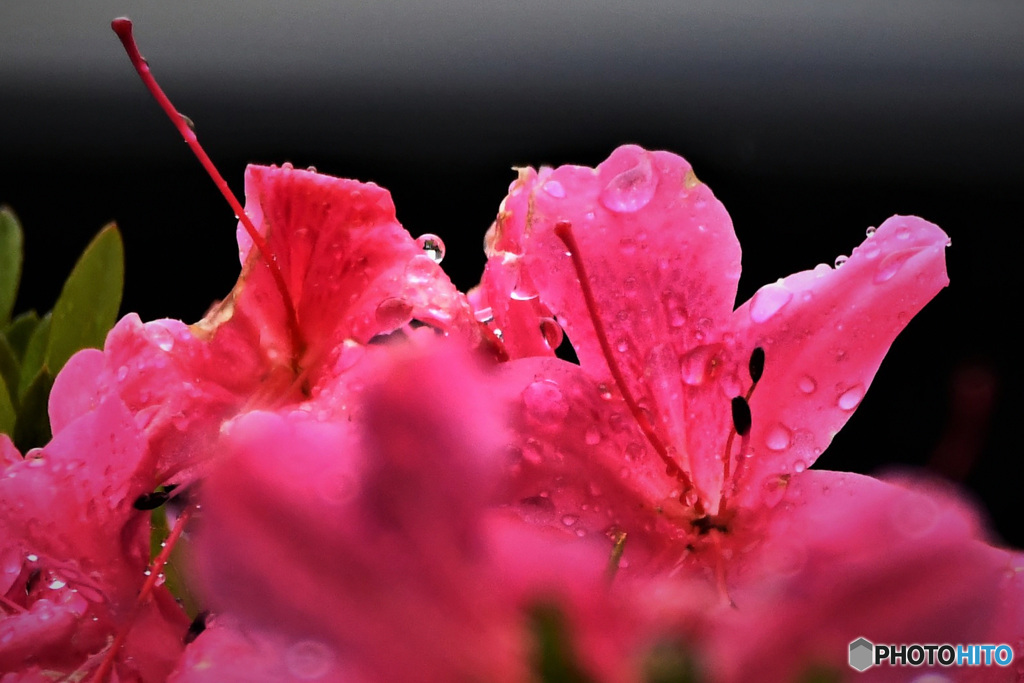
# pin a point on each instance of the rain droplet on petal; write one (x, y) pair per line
(807, 384)
(555, 189)
(799, 466)
(392, 314)
(851, 398)
(544, 402)
(593, 436)
(524, 289)
(432, 246)
(778, 437)
(552, 332)
(161, 336)
(484, 315)
(890, 265)
(420, 269)
(569, 520)
(870, 231)
(841, 259)
(675, 312)
(768, 301)
(632, 189)
(774, 489)
(309, 660)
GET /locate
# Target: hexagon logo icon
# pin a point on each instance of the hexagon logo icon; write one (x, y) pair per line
(862, 654)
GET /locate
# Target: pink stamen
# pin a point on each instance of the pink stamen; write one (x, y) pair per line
(563, 231)
(123, 28)
(155, 569)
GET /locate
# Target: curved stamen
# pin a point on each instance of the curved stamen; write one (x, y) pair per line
(563, 231)
(123, 28)
(741, 423)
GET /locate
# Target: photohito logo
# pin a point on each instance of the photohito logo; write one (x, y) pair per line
(864, 654)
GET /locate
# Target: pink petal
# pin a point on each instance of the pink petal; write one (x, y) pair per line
(847, 556)
(825, 333)
(351, 270)
(659, 249)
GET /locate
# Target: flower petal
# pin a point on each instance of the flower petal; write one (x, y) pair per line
(659, 250)
(825, 333)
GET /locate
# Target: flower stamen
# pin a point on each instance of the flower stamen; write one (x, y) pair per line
(563, 231)
(123, 28)
(742, 420)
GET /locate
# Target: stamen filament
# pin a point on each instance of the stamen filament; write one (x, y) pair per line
(155, 569)
(563, 231)
(123, 28)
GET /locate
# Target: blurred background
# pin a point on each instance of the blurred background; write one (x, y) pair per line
(811, 121)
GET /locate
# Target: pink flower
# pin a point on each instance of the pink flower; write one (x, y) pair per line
(352, 273)
(366, 551)
(655, 452)
(74, 551)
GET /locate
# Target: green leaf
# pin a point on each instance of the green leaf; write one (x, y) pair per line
(553, 658)
(35, 353)
(88, 304)
(7, 414)
(32, 427)
(11, 255)
(20, 330)
(10, 368)
(671, 662)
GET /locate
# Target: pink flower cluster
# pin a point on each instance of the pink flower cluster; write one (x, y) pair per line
(374, 477)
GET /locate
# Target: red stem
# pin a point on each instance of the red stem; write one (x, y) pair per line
(123, 28)
(563, 231)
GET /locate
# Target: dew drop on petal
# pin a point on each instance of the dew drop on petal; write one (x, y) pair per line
(552, 332)
(162, 337)
(768, 300)
(841, 259)
(890, 265)
(555, 189)
(675, 312)
(524, 289)
(851, 398)
(544, 402)
(778, 437)
(799, 466)
(569, 520)
(393, 313)
(122, 373)
(309, 660)
(870, 231)
(420, 269)
(774, 489)
(432, 246)
(632, 189)
(807, 384)
(593, 436)
(871, 251)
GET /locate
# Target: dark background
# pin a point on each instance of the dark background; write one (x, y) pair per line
(810, 120)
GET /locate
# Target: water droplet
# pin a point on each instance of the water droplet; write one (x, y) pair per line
(632, 189)
(122, 373)
(552, 333)
(57, 584)
(32, 557)
(36, 462)
(309, 659)
(627, 245)
(778, 437)
(545, 402)
(484, 315)
(851, 398)
(841, 259)
(774, 489)
(870, 231)
(675, 312)
(554, 188)
(392, 314)
(634, 451)
(807, 384)
(871, 251)
(420, 269)
(524, 289)
(604, 392)
(890, 265)
(799, 466)
(903, 233)
(432, 246)
(622, 345)
(161, 336)
(593, 436)
(767, 302)
(697, 364)
(569, 520)
(581, 532)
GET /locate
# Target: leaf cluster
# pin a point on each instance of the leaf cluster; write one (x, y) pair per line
(33, 347)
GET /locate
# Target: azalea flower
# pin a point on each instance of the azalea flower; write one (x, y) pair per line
(370, 551)
(684, 415)
(74, 553)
